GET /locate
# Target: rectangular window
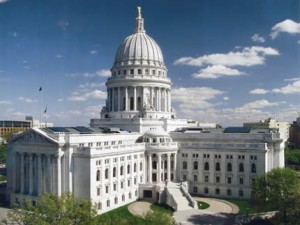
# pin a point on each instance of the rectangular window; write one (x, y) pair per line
(106, 189)
(122, 184)
(128, 183)
(139, 71)
(153, 72)
(98, 191)
(206, 178)
(217, 179)
(115, 186)
(241, 180)
(229, 180)
(131, 71)
(125, 71)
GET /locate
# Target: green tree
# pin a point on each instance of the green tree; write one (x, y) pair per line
(278, 190)
(51, 209)
(3, 153)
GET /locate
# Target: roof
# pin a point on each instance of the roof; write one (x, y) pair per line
(237, 130)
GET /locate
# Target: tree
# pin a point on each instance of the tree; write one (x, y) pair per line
(278, 190)
(51, 209)
(3, 153)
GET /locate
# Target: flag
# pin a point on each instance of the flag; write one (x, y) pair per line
(45, 111)
(41, 88)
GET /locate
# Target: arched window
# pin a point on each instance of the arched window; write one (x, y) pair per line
(184, 165)
(114, 172)
(154, 165)
(131, 103)
(106, 173)
(128, 169)
(206, 166)
(121, 170)
(253, 168)
(98, 175)
(229, 167)
(195, 165)
(195, 178)
(218, 168)
(241, 167)
(134, 167)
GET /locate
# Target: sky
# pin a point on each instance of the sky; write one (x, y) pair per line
(230, 61)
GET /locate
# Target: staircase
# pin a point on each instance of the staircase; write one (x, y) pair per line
(177, 199)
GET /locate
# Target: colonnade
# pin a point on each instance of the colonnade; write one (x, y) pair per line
(159, 170)
(37, 173)
(127, 99)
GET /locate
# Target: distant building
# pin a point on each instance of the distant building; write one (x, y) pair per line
(294, 139)
(283, 127)
(8, 127)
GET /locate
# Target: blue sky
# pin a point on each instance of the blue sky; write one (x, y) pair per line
(230, 61)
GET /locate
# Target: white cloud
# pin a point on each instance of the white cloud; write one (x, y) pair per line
(80, 96)
(60, 100)
(292, 88)
(195, 97)
(12, 33)
(259, 91)
(286, 26)
(5, 102)
(298, 42)
(98, 73)
(249, 56)
(225, 98)
(93, 52)
(27, 100)
(103, 73)
(258, 104)
(292, 79)
(216, 71)
(91, 85)
(59, 56)
(63, 24)
(257, 38)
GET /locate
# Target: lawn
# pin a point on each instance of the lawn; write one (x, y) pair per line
(202, 205)
(2, 178)
(243, 205)
(162, 208)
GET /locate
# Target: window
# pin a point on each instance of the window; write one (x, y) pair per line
(154, 165)
(108, 203)
(114, 172)
(139, 71)
(229, 192)
(124, 71)
(128, 183)
(98, 175)
(99, 206)
(98, 191)
(205, 190)
(106, 173)
(195, 165)
(131, 71)
(116, 200)
(217, 179)
(253, 168)
(141, 166)
(218, 168)
(195, 189)
(241, 193)
(121, 171)
(184, 165)
(134, 167)
(241, 180)
(147, 72)
(206, 166)
(228, 180)
(122, 184)
(123, 197)
(229, 167)
(195, 178)
(128, 169)
(106, 189)
(217, 191)
(241, 167)
(153, 72)
(206, 178)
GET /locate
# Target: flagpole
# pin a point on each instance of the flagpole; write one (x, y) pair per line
(41, 103)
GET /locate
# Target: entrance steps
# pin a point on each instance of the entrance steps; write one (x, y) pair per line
(178, 198)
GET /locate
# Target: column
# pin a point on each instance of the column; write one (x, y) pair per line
(168, 167)
(151, 97)
(169, 99)
(58, 174)
(159, 169)
(14, 173)
(30, 171)
(165, 100)
(22, 155)
(142, 99)
(108, 100)
(119, 99)
(113, 99)
(48, 183)
(158, 100)
(126, 98)
(134, 98)
(39, 174)
(174, 164)
(149, 168)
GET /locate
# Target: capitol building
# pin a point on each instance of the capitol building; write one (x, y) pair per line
(137, 148)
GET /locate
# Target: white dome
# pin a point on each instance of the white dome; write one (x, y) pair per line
(156, 133)
(139, 46)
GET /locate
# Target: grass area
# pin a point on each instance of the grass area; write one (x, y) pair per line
(2, 178)
(162, 208)
(121, 212)
(243, 205)
(202, 205)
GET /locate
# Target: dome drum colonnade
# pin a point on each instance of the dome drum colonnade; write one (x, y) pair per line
(139, 81)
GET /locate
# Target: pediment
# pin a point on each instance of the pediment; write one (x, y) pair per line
(32, 137)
